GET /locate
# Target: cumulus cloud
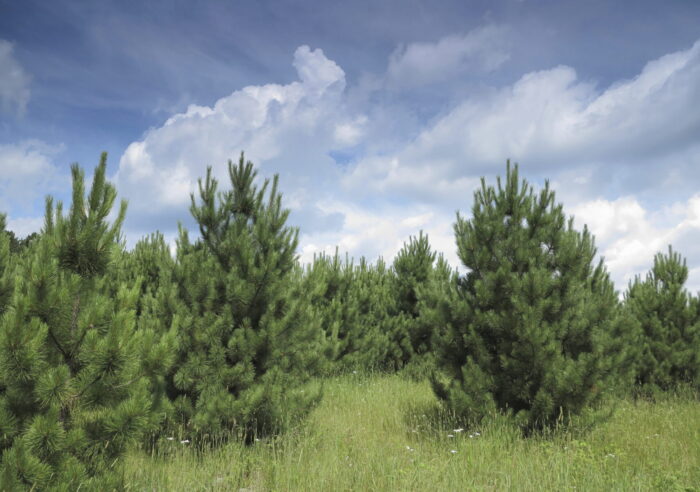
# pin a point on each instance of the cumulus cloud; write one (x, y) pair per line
(602, 147)
(14, 81)
(285, 129)
(417, 64)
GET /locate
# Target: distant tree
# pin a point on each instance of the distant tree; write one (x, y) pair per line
(357, 307)
(6, 265)
(375, 338)
(73, 394)
(531, 328)
(249, 341)
(327, 280)
(670, 328)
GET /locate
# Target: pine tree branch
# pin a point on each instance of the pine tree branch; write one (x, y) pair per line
(76, 311)
(82, 337)
(65, 354)
(259, 286)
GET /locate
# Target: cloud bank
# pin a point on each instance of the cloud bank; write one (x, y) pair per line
(623, 158)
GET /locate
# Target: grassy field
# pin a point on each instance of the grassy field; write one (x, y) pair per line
(387, 433)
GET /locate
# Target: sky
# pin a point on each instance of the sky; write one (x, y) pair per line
(379, 117)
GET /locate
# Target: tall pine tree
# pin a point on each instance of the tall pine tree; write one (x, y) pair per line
(531, 328)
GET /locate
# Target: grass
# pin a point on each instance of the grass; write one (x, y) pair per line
(388, 433)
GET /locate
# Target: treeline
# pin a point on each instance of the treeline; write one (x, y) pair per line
(102, 348)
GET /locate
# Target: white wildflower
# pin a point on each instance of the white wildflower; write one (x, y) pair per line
(185, 441)
(459, 430)
(453, 451)
(450, 435)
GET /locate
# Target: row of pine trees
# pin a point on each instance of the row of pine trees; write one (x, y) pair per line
(103, 348)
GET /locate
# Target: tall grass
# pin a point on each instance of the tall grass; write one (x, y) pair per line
(388, 433)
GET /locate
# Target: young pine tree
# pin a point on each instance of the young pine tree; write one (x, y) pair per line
(413, 268)
(249, 342)
(73, 394)
(530, 329)
(670, 328)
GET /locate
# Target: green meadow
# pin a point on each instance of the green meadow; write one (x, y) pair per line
(387, 432)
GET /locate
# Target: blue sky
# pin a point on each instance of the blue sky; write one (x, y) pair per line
(380, 117)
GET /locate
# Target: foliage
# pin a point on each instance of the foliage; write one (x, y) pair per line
(357, 308)
(531, 329)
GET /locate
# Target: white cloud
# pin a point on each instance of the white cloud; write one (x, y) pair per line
(628, 235)
(25, 226)
(349, 133)
(551, 121)
(417, 64)
(381, 232)
(27, 174)
(317, 73)
(14, 81)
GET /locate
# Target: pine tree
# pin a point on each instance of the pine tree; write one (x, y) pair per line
(670, 328)
(250, 342)
(413, 267)
(73, 395)
(530, 329)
